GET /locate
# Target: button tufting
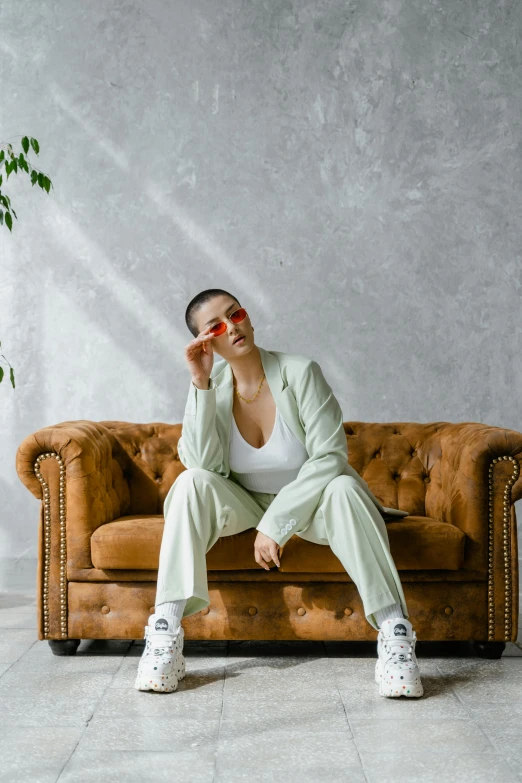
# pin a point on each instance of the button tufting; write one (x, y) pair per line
(152, 609)
(449, 610)
(158, 478)
(206, 610)
(301, 611)
(348, 611)
(105, 609)
(427, 479)
(252, 610)
(377, 454)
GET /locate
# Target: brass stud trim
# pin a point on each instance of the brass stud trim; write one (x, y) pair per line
(506, 549)
(46, 502)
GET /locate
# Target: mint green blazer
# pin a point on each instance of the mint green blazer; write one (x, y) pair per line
(307, 404)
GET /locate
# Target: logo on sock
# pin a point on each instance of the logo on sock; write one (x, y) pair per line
(161, 625)
(400, 630)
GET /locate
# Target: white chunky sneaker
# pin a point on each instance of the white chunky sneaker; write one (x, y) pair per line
(162, 663)
(396, 669)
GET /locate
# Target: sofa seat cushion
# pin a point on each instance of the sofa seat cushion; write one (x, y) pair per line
(133, 542)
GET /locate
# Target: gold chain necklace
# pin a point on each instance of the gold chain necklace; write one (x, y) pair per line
(255, 395)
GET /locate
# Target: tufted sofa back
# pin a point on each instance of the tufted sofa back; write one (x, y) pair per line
(465, 474)
(401, 462)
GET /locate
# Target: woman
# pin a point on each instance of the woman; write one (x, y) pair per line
(264, 446)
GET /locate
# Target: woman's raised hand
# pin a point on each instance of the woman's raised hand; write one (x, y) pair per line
(199, 356)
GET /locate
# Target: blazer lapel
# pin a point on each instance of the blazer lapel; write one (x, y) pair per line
(276, 370)
(283, 396)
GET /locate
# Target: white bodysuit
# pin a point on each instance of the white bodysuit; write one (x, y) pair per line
(272, 466)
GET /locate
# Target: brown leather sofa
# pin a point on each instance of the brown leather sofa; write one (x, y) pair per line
(102, 485)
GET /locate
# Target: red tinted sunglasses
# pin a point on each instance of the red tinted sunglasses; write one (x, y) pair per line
(236, 317)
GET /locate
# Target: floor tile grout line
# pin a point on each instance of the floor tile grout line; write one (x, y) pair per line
(346, 714)
(216, 752)
(454, 693)
(97, 702)
(13, 663)
(472, 716)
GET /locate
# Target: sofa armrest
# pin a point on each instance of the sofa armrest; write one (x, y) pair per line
(83, 486)
(71, 469)
(473, 464)
(477, 472)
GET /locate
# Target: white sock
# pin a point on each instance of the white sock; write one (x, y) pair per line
(394, 610)
(174, 608)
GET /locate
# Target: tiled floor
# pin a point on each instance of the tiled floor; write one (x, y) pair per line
(252, 711)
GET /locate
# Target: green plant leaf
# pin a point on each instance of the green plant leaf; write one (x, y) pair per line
(47, 184)
(35, 145)
(2, 155)
(11, 373)
(34, 176)
(1, 218)
(25, 144)
(9, 221)
(22, 162)
(1, 373)
(41, 179)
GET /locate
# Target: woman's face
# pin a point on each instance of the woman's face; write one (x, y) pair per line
(220, 308)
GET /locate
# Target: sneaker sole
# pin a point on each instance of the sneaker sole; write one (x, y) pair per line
(390, 690)
(163, 683)
(414, 689)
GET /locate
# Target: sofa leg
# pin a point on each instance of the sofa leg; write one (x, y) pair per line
(489, 649)
(64, 646)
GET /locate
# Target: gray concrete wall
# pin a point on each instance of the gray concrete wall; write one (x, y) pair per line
(349, 170)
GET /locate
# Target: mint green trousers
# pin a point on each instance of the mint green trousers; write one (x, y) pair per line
(203, 505)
